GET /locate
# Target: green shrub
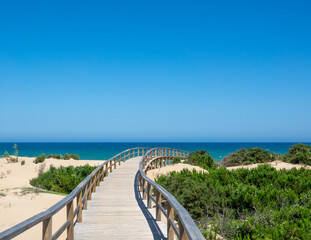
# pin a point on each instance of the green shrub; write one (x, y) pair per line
(56, 156)
(73, 156)
(176, 160)
(40, 158)
(200, 158)
(299, 153)
(259, 203)
(248, 156)
(65, 157)
(23, 162)
(63, 179)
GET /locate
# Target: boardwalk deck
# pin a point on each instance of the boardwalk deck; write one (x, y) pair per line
(117, 210)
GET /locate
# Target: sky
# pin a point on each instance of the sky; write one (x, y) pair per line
(208, 71)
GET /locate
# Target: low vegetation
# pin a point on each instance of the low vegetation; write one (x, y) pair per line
(298, 153)
(40, 159)
(176, 160)
(72, 155)
(67, 156)
(260, 203)
(63, 179)
(200, 158)
(11, 159)
(56, 156)
(249, 156)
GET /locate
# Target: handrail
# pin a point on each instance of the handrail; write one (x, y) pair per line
(158, 157)
(82, 193)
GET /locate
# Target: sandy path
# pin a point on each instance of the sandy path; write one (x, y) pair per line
(18, 202)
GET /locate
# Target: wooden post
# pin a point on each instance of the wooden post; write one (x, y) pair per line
(47, 229)
(94, 183)
(98, 178)
(79, 204)
(89, 195)
(141, 183)
(86, 197)
(148, 195)
(103, 173)
(144, 192)
(110, 165)
(158, 211)
(138, 152)
(106, 169)
(161, 163)
(182, 232)
(170, 215)
(115, 163)
(70, 217)
(119, 160)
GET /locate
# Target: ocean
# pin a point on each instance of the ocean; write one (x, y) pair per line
(106, 150)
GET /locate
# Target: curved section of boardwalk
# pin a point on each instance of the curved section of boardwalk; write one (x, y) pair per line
(117, 211)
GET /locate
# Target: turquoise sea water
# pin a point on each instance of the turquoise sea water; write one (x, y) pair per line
(103, 151)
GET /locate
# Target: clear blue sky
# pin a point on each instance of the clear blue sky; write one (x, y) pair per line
(155, 70)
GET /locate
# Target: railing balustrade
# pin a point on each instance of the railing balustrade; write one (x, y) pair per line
(183, 227)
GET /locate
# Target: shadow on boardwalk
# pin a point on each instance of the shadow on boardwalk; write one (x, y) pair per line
(156, 231)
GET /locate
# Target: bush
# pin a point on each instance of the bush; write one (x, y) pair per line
(56, 156)
(249, 156)
(23, 162)
(299, 153)
(176, 160)
(259, 203)
(63, 179)
(40, 158)
(200, 158)
(73, 156)
(65, 157)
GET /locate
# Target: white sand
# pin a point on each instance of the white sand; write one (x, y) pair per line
(19, 202)
(278, 165)
(154, 173)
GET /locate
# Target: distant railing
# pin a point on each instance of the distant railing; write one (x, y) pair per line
(82, 193)
(165, 202)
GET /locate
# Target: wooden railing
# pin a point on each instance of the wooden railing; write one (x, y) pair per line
(82, 193)
(183, 227)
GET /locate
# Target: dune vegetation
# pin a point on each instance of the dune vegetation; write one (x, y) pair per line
(258, 203)
(62, 179)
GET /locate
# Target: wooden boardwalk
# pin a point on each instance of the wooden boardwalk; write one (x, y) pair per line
(117, 210)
